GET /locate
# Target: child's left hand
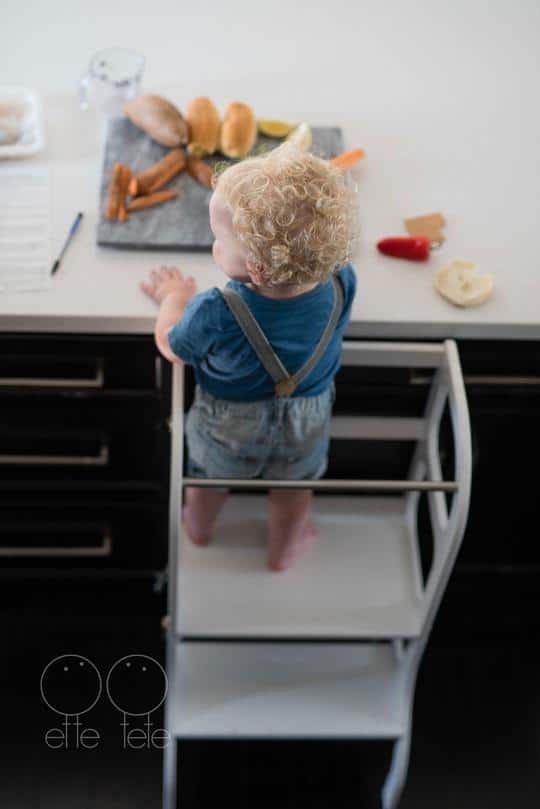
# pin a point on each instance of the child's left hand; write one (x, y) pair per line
(167, 280)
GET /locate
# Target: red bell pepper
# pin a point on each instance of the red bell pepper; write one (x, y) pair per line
(413, 248)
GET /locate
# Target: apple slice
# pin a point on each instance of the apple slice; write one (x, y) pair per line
(462, 285)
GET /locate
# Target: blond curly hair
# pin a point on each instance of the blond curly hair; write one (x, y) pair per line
(294, 213)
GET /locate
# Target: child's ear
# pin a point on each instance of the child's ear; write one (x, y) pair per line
(255, 272)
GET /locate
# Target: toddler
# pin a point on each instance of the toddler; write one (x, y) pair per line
(265, 350)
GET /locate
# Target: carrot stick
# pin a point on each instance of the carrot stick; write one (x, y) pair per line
(347, 159)
(124, 183)
(152, 199)
(200, 171)
(113, 199)
(152, 177)
(164, 178)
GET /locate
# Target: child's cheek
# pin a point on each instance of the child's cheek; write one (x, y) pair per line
(229, 261)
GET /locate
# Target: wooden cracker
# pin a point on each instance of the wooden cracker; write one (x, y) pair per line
(429, 225)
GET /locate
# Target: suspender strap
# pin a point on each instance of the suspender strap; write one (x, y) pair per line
(255, 335)
(285, 383)
(326, 336)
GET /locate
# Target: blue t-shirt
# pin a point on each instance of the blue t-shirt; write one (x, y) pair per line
(208, 337)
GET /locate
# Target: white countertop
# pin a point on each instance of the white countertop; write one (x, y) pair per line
(442, 99)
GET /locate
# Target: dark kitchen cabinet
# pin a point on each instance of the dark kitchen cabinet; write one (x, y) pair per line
(502, 381)
(84, 448)
(503, 390)
(84, 453)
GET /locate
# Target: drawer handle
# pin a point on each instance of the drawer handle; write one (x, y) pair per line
(38, 382)
(103, 549)
(101, 459)
(158, 373)
(480, 379)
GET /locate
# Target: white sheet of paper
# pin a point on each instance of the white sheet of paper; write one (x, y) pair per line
(25, 228)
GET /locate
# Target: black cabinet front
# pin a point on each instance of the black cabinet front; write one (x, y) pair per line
(92, 438)
(84, 453)
(502, 382)
(68, 531)
(84, 420)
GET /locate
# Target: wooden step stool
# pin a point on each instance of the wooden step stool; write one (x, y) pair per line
(361, 581)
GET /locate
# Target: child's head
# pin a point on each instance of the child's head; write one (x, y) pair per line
(286, 217)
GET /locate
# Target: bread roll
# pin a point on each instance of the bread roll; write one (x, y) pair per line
(204, 123)
(462, 285)
(238, 130)
(158, 118)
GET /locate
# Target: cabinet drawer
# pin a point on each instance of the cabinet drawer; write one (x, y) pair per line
(494, 367)
(500, 362)
(66, 533)
(79, 363)
(56, 438)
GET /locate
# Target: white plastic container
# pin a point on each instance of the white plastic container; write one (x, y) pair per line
(27, 110)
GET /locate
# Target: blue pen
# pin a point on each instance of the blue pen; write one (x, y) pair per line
(71, 234)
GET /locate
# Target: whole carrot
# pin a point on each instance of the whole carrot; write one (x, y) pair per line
(151, 199)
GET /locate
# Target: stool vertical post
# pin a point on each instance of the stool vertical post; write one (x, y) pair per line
(170, 757)
(447, 535)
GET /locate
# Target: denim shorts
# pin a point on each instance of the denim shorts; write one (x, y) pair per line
(276, 439)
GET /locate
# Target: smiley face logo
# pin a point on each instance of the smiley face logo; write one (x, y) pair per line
(137, 685)
(70, 685)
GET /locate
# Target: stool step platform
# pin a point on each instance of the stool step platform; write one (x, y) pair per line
(283, 690)
(360, 579)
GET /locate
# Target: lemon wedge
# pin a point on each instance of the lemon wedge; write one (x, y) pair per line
(301, 137)
(274, 129)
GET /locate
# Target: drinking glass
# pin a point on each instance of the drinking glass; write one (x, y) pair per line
(113, 77)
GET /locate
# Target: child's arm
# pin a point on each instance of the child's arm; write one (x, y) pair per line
(168, 287)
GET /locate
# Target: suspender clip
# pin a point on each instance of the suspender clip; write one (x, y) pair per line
(286, 387)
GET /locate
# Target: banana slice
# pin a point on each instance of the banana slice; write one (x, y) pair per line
(462, 285)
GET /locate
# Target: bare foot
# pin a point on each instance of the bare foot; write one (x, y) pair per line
(289, 553)
(193, 529)
(291, 531)
(200, 512)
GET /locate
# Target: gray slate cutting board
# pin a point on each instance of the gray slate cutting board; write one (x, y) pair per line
(181, 223)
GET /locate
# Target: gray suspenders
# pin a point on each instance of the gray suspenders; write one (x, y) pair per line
(285, 383)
